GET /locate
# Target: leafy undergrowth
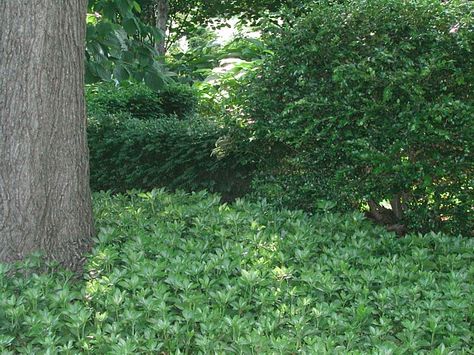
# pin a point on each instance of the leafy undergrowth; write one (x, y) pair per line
(183, 274)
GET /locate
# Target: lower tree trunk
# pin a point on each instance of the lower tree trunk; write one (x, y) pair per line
(45, 199)
(392, 218)
(397, 208)
(161, 17)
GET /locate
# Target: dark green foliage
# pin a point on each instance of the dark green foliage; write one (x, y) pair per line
(373, 101)
(180, 100)
(183, 274)
(140, 101)
(128, 153)
(204, 55)
(119, 45)
(188, 17)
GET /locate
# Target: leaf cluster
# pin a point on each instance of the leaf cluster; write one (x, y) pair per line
(372, 100)
(119, 45)
(199, 63)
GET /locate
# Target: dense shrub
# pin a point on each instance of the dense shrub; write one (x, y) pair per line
(129, 153)
(140, 101)
(368, 101)
(178, 274)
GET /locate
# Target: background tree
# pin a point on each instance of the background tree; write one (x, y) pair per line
(45, 200)
(179, 18)
(161, 13)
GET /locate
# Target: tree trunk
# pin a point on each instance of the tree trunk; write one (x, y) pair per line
(390, 218)
(45, 199)
(161, 17)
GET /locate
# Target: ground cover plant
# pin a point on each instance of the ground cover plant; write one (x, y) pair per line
(177, 273)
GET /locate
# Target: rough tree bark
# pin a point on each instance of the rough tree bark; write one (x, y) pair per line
(161, 17)
(45, 199)
(392, 218)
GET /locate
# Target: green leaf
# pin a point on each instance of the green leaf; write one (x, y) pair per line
(90, 75)
(131, 26)
(154, 80)
(104, 28)
(124, 8)
(387, 94)
(128, 57)
(121, 73)
(109, 11)
(137, 7)
(101, 71)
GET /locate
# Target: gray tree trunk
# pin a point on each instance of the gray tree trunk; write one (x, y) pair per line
(45, 199)
(162, 11)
